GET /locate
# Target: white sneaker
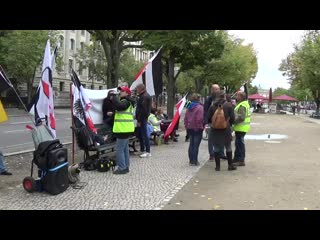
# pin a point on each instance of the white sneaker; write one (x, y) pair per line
(144, 155)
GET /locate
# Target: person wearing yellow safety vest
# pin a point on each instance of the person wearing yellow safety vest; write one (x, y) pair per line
(241, 127)
(123, 127)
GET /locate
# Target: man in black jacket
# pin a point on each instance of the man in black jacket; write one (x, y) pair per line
(142, 113)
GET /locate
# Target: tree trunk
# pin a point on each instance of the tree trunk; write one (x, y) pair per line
(171, 88)
(198, 85)
(106, 48)
(115, 62)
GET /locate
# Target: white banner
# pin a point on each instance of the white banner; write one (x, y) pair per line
(96, 98)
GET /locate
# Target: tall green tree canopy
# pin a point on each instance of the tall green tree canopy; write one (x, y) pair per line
(114, 42)
(183, 49)
(21, 53)
(302, 66)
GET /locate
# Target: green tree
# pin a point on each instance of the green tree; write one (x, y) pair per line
(129, 66)
(237, 65)
(184, 49)
(93, 58)
(21, 53)
(280, 91)
(114, 42)
(252, 89)
(302, 66)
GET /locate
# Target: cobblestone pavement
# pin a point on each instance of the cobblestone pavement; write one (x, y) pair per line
(151, 183)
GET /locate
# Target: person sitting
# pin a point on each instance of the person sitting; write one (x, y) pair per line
(108, 111)
(100, 140)
(152, 119)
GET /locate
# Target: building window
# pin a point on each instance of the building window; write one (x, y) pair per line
(72, 44)
(81, 45)
(100, 87)
(61, 86)
(83, 32)
(61, 40)
(70, 65)
(92, 86)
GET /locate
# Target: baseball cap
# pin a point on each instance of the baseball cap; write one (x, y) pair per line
(125, 89)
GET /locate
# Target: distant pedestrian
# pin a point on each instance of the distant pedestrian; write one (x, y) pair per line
(298, 109)
(193, 122)
(293, 109)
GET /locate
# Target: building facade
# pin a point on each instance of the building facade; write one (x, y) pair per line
(70, 42)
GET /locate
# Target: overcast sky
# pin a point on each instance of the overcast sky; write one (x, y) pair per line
(272, 46)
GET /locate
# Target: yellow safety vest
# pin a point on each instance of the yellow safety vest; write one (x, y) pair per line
(245, 125)
(123, 121)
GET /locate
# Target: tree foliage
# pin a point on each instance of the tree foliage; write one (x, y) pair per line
(302, 66)
(185, 50)
(21, 53)
(114, 42)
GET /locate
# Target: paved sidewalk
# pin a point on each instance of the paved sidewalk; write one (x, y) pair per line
(149, 185)
(281, 174)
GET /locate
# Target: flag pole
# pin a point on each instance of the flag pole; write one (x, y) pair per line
(12, 87)
(72, 122)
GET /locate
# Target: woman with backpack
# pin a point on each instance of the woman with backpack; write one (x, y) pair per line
(193, 122)
(221, 117)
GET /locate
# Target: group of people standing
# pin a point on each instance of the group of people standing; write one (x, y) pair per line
(119, 115)
(237, 118)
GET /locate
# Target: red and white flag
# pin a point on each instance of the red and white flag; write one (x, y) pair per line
(179, 106)
(81, 103)
(151, 75)
(43, 106)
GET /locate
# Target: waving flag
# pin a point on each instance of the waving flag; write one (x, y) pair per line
(151, 75)
(179, 106)
(43, 106)
(3, 114)
(81, 103)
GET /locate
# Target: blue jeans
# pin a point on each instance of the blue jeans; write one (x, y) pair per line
(240, 151)
(143, 138)
(211, 147)
(2, 167)
(195, 140)
(122, 153)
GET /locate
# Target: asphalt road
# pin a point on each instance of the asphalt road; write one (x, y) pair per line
(15, 137)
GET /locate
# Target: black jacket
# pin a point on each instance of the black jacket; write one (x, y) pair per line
(206, 107)
(143, 107)
(107, 106)
(121, 106)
